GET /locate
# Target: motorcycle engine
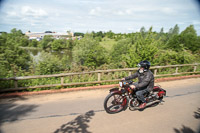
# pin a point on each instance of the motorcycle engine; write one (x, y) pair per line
(152, 97)
(155, 96)
(134, 102)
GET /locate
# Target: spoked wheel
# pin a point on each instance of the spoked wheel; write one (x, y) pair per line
(114, 103)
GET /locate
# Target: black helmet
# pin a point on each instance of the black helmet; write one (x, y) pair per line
(145, 64)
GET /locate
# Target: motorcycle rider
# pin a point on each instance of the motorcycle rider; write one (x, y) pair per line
(145, 82)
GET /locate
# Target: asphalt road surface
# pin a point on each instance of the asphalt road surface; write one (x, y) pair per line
(83, 112)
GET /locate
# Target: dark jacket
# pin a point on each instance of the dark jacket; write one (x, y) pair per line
(145, 80)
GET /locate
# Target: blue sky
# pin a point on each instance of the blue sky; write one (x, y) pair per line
(120, 16)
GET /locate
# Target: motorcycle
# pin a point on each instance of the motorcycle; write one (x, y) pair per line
(119, 99)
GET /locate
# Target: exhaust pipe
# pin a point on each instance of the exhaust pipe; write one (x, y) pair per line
(148, 104)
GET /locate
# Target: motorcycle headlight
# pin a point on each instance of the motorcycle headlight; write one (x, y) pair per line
(120, 84)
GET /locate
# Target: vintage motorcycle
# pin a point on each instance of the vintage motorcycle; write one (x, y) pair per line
(121, 98)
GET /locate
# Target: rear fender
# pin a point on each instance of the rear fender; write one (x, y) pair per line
(162, 93)
(156, 88)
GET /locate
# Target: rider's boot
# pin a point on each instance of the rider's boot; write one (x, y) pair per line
(143, 105)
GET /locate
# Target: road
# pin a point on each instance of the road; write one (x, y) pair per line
(83, 112)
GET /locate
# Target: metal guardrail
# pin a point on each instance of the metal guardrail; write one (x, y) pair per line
(99, 72)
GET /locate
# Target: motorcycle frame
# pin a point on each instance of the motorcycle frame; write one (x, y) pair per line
(127, 96)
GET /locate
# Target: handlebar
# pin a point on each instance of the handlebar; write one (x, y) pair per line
(127, 81)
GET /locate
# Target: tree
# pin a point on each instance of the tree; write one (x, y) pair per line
(33, 43)
(162, 36)
(46, 41)
(24, 41)
(170, 57)
(16, 32)
(189, 39)
(95, 57)
(175, 30)
(10, 53)
(174, 43)
(143, 31)
(88, 52)
(100, 34)
(161, 31)
(70, 44)
(143, 49)
(110, 34)
(49, 64)
(118, 50)
(79, 34)
(58, 44)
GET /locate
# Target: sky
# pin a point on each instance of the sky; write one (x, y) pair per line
(119, 16)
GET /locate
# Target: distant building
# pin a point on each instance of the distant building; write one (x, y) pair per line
(39, 36)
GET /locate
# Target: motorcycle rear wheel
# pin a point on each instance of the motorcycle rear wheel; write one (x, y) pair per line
(114, 103)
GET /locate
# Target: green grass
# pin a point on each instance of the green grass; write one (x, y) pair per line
(107, 43)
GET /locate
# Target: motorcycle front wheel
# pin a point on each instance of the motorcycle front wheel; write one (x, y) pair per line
(114, 103)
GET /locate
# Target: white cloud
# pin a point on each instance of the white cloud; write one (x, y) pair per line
(128, 11)
(107, 15)
(196, 22)
(119, 12)
(96, 11)
(168, 10)
(25, 15)
(11, 13)
(136, 11)
(27, 11)
(181, 23)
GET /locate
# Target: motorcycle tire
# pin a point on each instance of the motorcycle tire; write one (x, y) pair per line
(117, 101)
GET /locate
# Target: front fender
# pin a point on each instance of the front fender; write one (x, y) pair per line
(113, 90)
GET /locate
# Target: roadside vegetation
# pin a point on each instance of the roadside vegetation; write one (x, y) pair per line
(96, 51)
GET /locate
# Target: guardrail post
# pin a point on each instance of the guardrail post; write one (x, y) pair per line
(62, 81)
(15, 74)
(195, 68)
(129, 74)
(155, 72)
(70, 78)
(16, 84)
(99, 76)
(176, 69)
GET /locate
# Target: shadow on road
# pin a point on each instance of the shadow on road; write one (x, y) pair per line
(150, 106)
(78, 125)
(197, 114)
(11, 111)
(184, 129)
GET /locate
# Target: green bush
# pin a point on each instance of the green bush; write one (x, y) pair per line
(96, 51)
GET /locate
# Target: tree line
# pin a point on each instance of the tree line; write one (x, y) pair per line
(88, 53)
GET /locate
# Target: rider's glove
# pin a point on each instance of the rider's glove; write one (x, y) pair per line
(132, 86)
